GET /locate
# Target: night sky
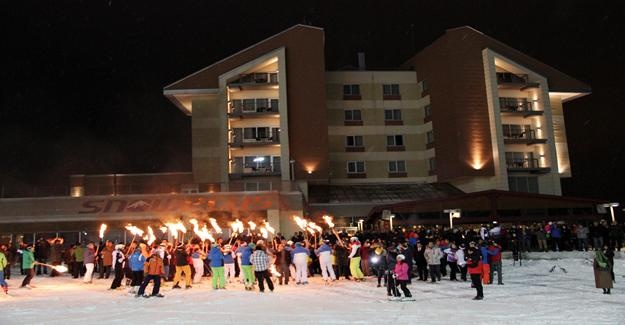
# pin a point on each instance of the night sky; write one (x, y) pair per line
(82, 80)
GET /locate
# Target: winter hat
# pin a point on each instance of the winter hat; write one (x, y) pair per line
(119, 246)
(298, 244)
(228, 247)
(378, 250)
(353, 238)
(401, 257)
(290, 242)
(252, 245)
(180, 245)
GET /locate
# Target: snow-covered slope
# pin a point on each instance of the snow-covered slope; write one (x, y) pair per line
(531, 295)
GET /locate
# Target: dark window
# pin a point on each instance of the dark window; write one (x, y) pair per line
(424, 85)
(355, 167)
(351, 90)
(430, 137)
(427, 110)
(432, 162)
(390, 90)
(398, 166)
(394, 140)
(354, 141)
(353, 115)
(392, 114)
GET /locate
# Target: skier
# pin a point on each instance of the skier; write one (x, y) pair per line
(3, 263)
(117, 261)
(154, 272)
(260, 260)
(401, 275)
(89, 260)
(324, 252)
(299, 256)
(354, 260)
(136, 261)
(474, 264)
(229, 268)
(28, 264)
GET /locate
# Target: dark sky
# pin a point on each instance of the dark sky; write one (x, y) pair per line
(82, 80)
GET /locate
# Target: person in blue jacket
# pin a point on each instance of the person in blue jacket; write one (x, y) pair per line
(217, 266)
(485, 261)
(229, 268)
(245, 251)
(324, 252)
(137, 261)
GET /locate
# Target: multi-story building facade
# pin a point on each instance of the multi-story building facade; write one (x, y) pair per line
(276, 135)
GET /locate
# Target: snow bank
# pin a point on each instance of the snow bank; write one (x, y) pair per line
(531, 295)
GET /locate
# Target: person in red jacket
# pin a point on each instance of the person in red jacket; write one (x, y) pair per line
(474, 264)
(494, 250)
(401, 275)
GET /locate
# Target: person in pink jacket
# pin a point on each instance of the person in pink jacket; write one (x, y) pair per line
(401, 275)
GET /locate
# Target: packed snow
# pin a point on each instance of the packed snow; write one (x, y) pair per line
(531, 295)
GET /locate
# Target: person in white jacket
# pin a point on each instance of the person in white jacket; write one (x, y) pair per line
(299, 256)
(433, 256)
(354, 260)
(324, 252)
(462, 263)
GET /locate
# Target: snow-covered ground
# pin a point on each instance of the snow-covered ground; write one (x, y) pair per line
(531, 295)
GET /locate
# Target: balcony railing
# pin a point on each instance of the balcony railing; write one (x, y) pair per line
(262, 141)
(258, 78)
(253, 107)
(514, 80)
(521, 136)
(526, 165)
(237, 171)
(518, 105)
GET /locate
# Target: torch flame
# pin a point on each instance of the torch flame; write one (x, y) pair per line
(60, 268)
(269, 227)
(163, 229)
(263, 232)
(151, 236)
(173, 229)
(300, 222)
(314, 227)
(102, 229)
(134, 230)
(328, 220)
(180, 227)
(252, 225)
(237, 226)
(215, 225)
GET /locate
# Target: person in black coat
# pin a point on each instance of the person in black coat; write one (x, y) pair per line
(283, 260)
(342, 262)
(422, 264)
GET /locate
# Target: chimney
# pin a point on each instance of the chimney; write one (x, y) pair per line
(361, 61)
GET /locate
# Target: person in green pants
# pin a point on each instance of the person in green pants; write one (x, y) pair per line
(245, 251)
(354, 260)
(217, 266)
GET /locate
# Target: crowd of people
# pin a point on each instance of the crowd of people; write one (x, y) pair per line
(394, 259)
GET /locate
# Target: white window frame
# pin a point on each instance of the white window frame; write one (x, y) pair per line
(393, 89)
(354, 138)
(396, 164)
(395, 114)
(355, 165)
(352, 113)
(394, 138)
(351, 88)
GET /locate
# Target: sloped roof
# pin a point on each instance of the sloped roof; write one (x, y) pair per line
(466, 36)
(207, 78)
(370, 193)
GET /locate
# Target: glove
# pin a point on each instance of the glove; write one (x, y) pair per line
(394, 276)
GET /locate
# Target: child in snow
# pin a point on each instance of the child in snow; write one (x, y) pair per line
(401, 275)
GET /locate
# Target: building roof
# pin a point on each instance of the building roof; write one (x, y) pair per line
(558, 81)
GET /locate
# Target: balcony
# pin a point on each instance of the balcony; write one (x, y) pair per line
(254, 171)
(258, 142)
(522, 136)
(258, 80)
(251, 108)
(518, 106)
(508, 80)
(531, 165)
(254, 137)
